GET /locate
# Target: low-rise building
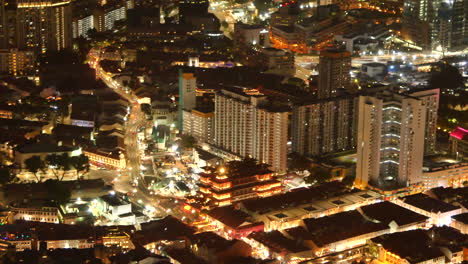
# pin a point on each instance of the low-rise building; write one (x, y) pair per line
(390, 249)
(37, 211)
(216, 249)
(444, 172)
(460, 222)
(232, 222)
(438, 211)
(115, 208)
(287, 210)
(437, 245)
(274, 244)
(24, 152)
(99, 158)
(251, 35)
(374, 70)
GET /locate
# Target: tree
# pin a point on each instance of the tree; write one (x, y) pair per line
(318, 175)
(445, 76)
(224, 24)
(34, 165)
(80, 163)
(5, 175)
(57, 191)
(59, 164)
(297, 162)
(188, 141)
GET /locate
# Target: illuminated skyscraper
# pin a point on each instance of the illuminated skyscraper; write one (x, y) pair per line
(390, 144)
(44, 25)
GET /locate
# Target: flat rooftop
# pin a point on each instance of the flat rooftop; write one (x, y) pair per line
(386, 212)
(415, 248)
(277, 242)
(428, 204)
(339, 227)
(295, 198)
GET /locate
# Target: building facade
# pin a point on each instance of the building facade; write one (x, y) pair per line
(249, 126)
(324, 126)
(237, 181)
(334, 73)
(44, 25)
(199, 124)
(17, 62)
(390, 143)
(187, 95)
(430, 100)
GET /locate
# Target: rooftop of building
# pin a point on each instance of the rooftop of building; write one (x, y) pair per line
(33, 203)
(374, 64)
(386, 212)
(62, 130)
(239, 169)
(428, 203)
(112, 200)
(205, 155)
(446, 235)
(183, 256)
(10, 123)
(277, 242)
(88, 115)
(213, 241)
(462, 218)
(229, 216)
(295, 197)
(287, 29)
(168, 228)
(439, 162)
(415, 249)
(49, 231)
(44, 148)
(335, 53)
(339, 227)
(450, 194)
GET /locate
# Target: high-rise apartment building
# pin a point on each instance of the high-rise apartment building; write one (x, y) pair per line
(44, 25)
(187, 95)
(430, 100)
(390, 144)
(17, 62)
(111, 15)
(459, 25)
(250, 126)
(324, 126)
(199, 124)
(3, 26)
(82, 25)
(436, 24)
(334, 73)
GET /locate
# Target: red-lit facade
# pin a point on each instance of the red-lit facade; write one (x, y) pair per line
(218, 187)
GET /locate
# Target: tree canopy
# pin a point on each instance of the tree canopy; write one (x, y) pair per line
(6, 175)
(35, 164)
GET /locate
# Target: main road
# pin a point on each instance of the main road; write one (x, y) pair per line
(132, 180)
